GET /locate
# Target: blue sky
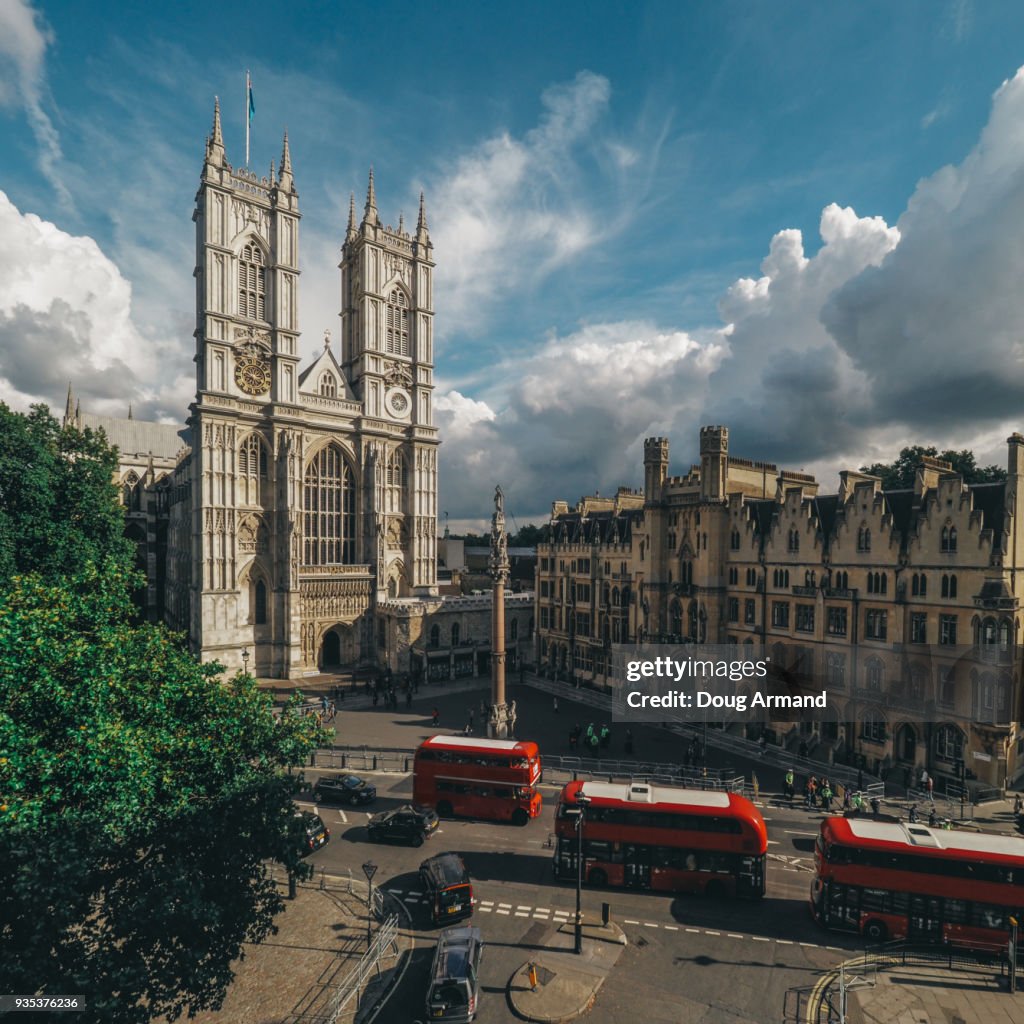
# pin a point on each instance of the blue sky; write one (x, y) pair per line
(628, 208)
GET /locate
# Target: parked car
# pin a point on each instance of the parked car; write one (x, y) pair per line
(454, 993)
(344, 789)
(406, 824)
(312, 832)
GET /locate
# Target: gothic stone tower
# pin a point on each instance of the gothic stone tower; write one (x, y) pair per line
(387, 353)
(312, 494)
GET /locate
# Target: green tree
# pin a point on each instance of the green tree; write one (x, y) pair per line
(899, 474)
(140, 801)
(530, 535)
(58, 503)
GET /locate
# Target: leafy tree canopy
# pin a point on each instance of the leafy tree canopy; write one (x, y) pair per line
(527, 536)
(58, 502)
(900, 473)
(140, 799)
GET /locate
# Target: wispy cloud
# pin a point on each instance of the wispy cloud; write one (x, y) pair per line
(24, 38)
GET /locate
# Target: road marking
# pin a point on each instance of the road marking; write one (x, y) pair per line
(629, 920)
(396, 892)
(520, 913)
(505, 912)
(487, 903)
(809, 945)
(696, 931)
(774, 842)
(759, 938)
(671, 928)
(344, 820)
(486, 910)
(730, 935)
(542, 910)
(649, 924)
(505, 906)
(520, 907)
(784, 942)
(794, 832)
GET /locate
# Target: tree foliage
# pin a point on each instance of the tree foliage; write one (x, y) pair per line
(140, 798)
(58, 502)
(899, 475)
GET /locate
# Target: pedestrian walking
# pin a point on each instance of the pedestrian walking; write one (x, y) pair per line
(324, 703)
(930, 786)
(826, 797)
(912, 814)
(375, 698)
(762, 743)
(332, 711)
(408, 697)
(1018, 804)
(788, 790)
(593, 741)
(933, 818)
(606, 737)
(467, 730)
(628, 745)
(573, 739)
(470, 719)
(803, 748)
(847, 802)
(435, 716)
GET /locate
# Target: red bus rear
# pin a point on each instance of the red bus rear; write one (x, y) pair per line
(663, 838)
(895, 880)
(478, 778)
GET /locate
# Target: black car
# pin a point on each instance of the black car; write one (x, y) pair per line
(312, 832)
(406, 824)
(344, 789)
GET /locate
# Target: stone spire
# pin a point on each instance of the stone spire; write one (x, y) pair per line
(69, 409)
(401, 222)
(215, 143)
(351, 215)
(370, 212)
(130, 411)
(422, 235)
(285, 179)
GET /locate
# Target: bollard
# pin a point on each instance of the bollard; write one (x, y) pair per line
(532, 974)
(606, 913)
(374, 762)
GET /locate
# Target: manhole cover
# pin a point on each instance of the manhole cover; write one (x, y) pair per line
(544, 975)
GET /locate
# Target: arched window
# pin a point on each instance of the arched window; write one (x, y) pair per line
(252, 301)
(397, 337)
(871, 582)
(455, 634)
(328, 385)
(676, 625)
(329, 510)
(885, 582)
(734, 540)
(693, 620)
(252, 469)
(435, 636)
(131, 492)
(259, 603)
(924, 585)
(615, 597)
(952, 586)
(952, 538)
(913, 585)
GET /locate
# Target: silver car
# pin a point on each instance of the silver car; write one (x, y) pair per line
(454, 994)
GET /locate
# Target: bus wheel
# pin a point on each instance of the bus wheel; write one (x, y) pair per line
(520, 817)
(444, 809)
(875, 931)
(714, 890)
(597, 877)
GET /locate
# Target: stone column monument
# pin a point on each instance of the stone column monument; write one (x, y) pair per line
(501, 720)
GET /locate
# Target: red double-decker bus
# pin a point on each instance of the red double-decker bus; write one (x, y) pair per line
(478, 778)
(896, 880)
(662, 838)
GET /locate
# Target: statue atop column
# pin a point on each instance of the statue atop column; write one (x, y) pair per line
(500, 722)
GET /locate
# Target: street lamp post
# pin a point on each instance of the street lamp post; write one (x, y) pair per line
(369, 869)
(245, 660)
(580, 812)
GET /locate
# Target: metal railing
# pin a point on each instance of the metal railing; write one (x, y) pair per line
(362, 758)
(356, 981)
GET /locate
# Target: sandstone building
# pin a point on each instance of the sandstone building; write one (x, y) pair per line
(905, 604)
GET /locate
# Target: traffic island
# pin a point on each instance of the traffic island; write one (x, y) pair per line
(559, 984)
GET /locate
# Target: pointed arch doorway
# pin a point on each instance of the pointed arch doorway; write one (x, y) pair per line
(339, 648)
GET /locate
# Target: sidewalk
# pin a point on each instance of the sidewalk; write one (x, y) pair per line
(567, 983)
(934, 995)
(295, 975)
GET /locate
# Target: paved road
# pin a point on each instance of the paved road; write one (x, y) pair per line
(749, 952)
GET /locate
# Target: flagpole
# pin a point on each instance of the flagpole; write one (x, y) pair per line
(248, 89)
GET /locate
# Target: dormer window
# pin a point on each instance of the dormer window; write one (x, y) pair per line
(252, 301)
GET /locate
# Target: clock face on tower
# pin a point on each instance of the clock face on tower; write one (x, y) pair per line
(252, 375)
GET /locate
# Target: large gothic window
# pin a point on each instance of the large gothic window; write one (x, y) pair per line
(252, 470)
(252, 283)
(260, 603)
(397, 340)
(330, 510)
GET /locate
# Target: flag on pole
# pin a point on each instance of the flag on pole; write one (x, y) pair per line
(250, 110)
